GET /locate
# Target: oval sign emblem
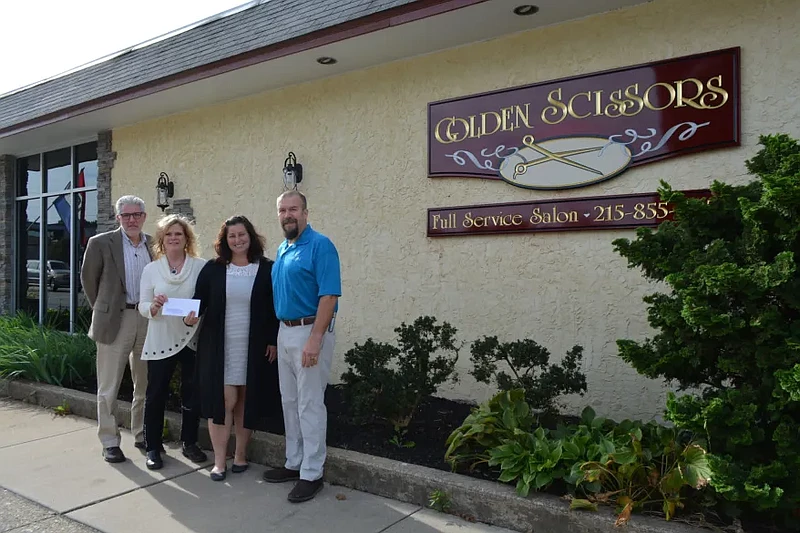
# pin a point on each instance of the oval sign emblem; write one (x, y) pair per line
(564, 162)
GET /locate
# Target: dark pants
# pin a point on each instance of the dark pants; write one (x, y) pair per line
(159, 374)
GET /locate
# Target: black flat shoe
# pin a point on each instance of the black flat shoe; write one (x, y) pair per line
(113, 455)
(154, 461)
(194, 453)
(305, 490)
(238, 469)
(281, 475)
(219, 476)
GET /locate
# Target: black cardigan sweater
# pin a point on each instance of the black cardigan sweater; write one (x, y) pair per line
(262, 408)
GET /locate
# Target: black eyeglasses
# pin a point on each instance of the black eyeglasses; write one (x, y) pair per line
(136, 216)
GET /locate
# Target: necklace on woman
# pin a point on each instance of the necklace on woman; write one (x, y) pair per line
(174, 269)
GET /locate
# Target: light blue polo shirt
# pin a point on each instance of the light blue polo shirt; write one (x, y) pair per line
(303, 272)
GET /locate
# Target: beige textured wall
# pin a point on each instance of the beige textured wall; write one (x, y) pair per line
(362, 140)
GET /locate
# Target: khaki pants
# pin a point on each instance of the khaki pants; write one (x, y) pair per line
(111, 360)
(303, 396)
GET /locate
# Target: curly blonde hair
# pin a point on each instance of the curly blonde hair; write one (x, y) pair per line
(188, 230)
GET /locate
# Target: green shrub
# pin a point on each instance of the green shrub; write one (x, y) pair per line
(728, 324)
(528, 362)
(36, 353)
(391, 382)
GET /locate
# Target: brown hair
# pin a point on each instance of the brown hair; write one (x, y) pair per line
(290, 194)
(163, 226)
(257, 242)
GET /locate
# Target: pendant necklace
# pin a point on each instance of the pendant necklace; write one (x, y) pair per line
(174, 269)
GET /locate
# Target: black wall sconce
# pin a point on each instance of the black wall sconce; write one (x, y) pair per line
(292, 172)
(164, 191)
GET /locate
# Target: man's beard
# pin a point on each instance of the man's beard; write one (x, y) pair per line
(290, 233)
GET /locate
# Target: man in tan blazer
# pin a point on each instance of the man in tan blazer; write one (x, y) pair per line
(111, 272)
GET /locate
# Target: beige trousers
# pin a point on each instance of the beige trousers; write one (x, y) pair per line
(111, 360)
(303, 396)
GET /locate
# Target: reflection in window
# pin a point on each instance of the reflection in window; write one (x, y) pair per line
(28, 252)
(86, 155)
(59, 170)
(59, 225)
(58, 221)
(87, 228)
(53, 229)
(29, 171)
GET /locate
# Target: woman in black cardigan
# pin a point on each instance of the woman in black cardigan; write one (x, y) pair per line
(237, 342)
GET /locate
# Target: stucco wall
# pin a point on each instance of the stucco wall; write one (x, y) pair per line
(362, 140)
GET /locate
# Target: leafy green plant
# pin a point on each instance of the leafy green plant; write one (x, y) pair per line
(630, 464)
(29, 351)
(399, 439)
(392, 381)
(63, 409)
(530, 370)
(487, 426)
(727, 324)
(533, 460)
(439, 500)
(651, 467)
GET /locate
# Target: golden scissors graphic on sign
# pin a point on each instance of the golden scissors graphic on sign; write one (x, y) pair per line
(561, 157)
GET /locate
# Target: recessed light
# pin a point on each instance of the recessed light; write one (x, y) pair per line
(326, 60)
(526, 9)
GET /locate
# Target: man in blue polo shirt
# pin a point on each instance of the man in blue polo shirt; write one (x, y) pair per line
(306, 285)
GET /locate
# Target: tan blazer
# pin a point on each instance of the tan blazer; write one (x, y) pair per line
(103, 279)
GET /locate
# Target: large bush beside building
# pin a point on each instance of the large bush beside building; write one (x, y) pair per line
(728, 330)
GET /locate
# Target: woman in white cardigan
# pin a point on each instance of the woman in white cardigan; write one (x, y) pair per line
(169, 340)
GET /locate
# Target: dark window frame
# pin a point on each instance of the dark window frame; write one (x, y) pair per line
(72, 193)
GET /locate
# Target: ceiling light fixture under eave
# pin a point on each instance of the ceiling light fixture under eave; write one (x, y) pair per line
(325, 60)
(526, 9)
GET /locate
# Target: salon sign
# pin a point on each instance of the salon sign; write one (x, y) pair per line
(579, 131)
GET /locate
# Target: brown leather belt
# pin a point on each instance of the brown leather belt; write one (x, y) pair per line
(300, 321)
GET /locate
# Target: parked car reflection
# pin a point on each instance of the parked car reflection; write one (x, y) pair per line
(57, 274)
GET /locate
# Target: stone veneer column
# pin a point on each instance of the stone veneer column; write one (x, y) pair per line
(7, 177)
(106, 220)
(181, 206)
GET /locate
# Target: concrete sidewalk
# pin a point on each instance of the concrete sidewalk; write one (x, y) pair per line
(56, 481)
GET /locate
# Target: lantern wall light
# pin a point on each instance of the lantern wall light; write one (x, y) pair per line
(164, 191)
(292, 172)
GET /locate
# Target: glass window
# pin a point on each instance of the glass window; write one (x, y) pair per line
(86, 154)
(29, 173)
(59, 169)
(53, 229)
(87, 228)
(58, 221)
(28, 252)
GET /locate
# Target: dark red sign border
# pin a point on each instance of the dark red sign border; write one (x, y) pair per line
(736, 51)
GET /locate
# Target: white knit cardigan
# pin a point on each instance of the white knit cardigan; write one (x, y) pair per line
(167, 335)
